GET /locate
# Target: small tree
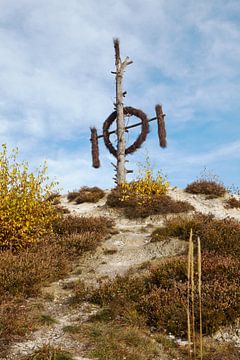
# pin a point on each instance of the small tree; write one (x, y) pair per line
(25, 214)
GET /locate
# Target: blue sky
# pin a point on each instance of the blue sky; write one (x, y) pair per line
(55, 82)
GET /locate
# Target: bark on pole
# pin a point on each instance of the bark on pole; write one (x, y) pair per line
(120, 67)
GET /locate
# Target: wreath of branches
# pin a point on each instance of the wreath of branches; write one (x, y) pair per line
(128, 111)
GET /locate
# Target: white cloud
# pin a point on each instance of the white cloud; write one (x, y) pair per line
(56, 58)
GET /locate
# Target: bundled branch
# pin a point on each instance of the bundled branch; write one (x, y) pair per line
(162, 134)
(117, 50)
(95, 148)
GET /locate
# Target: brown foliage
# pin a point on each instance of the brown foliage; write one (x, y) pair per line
(77, 225)
(210, 188)
(232, 203)
(86, 194)
(158, 204)
(220, 236)
(230, 353)
(54, 198)
(161, 297)
(23, 274)
(48, 352)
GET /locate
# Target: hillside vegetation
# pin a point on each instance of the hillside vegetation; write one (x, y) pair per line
(127, 304)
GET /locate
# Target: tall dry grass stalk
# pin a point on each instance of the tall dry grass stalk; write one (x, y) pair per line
(192, 347)
(188, 296)
(200, 298)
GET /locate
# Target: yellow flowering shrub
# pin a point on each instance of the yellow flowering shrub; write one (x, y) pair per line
(145, 186)
(25, 213)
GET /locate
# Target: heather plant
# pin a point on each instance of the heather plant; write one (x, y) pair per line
(217, 235)
(25, 215)
(159, 297)
(145, 186)
(232, 203)
(146, 195)
(86, 194)
(207, 184)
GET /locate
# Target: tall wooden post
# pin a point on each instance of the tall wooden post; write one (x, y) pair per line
(120, 66)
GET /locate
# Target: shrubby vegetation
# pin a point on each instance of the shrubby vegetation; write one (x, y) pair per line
(160, 299)
(232, 203)
(48, 352)
(207, 184)
(220, 236)
(86, 194)
(25, 215)
(38, 242)
(146, 196)
(209, 188)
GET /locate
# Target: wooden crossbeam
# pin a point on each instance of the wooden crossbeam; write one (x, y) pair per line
(128, 127)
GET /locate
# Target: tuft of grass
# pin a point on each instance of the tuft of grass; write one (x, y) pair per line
(71, 329)
(48, 352)
(114, 341)
(62, 210)
(86, 194)
(225, 351)
(206, 187)
(220, 236)
(110, 251)
(156, 204)
(46, 319)
(54, 198)
(232, 203)
(72, 195)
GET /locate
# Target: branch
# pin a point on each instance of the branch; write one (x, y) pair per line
(126, 62)
(117, 50)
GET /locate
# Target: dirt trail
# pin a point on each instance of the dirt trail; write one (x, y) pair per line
(130, 246)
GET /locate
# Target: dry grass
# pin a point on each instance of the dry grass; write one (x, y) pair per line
(220, 236)
(48, 352)
(54, 198)
(218, 351)
(112, 340)
(148, 298)
(232, 203)
(86, 194)
(79, 224)
(158, 204)
(210, 188)
(23, 274)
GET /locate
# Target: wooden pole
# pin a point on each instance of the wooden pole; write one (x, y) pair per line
(120, 67)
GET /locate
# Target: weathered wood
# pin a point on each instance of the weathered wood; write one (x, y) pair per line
(120, 67)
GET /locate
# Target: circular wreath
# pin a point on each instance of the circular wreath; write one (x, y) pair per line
(140, 139)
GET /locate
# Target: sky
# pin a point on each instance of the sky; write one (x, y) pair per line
(56, 58)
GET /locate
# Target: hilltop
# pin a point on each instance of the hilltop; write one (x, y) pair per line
(128, 249)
